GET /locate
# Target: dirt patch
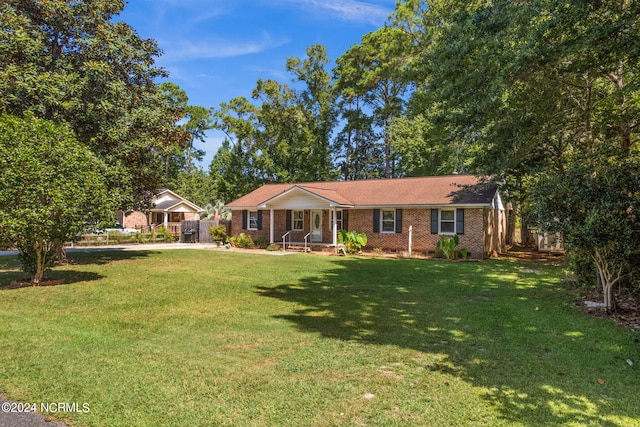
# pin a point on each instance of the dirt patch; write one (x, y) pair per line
(523, 252)
(627, 312)
(22, 283)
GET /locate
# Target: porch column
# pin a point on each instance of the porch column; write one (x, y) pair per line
(166, 220)
(271, 222)
(335, 227)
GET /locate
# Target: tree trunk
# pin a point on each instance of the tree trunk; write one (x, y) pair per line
(61, 252)
(525, 236)
(608, 276)
(38, 272)
(511, 225)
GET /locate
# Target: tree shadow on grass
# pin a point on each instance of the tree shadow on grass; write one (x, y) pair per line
(105, 255)
(68, 277)
(10, 268)
(504, 326)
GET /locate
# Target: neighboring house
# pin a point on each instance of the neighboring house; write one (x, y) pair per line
(382, 208)
(168, 211)
(549, 242)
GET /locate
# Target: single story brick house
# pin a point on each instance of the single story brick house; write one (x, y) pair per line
(383, 209)
(168, 210)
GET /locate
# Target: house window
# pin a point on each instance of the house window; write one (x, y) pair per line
(253, 220)
(338, 220)
(388, 221)
(447, 222)
(298, 220)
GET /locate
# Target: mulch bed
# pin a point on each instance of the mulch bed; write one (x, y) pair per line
(22, 283)
(627, 313)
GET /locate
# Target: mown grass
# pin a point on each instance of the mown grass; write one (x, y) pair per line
(208, 338)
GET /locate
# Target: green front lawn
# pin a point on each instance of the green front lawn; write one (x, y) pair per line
(208, 338)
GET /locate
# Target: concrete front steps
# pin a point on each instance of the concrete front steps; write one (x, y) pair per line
(311, 247)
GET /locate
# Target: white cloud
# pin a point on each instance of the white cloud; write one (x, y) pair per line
(184, 50)
(348, 10)
(276, 73)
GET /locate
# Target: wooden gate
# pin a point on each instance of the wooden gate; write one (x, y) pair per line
(201, 230)
(204, 235)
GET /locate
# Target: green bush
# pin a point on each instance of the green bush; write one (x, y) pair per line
(262, 243)
(352, 241)
(163, 233)
(218, 233)
(242, 241)
(447, 248)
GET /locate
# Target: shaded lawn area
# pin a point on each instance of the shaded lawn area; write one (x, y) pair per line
(204, 338)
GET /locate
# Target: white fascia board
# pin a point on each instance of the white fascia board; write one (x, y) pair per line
(331, 205)
(179, 200)
(452, 205)
(266, 203)
(178, 203)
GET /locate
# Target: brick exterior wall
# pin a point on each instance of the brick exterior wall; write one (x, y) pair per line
(139, 219)
(236, 226)
(473, 237)
(280, 223)
(135, 220)
(191, 216)
(361, 220)
(479, 238)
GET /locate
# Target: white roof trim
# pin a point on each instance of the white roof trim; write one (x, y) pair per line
(332, 203)
(178, 203)
(438, 205)
(181, 200)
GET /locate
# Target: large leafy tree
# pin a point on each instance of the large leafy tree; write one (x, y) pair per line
(52, 190)
(533, 90)
(357, 149)
(372, 74)
(283, 137)
(71, 61)
(235, 168)
(595, 203)
(194, 120)
(196, 186)
(318, 102)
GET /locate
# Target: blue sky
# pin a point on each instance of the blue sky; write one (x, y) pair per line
(217, 50)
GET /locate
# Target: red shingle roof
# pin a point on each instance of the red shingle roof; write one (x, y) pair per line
(420, 191)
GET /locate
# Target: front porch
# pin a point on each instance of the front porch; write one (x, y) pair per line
(292, 227)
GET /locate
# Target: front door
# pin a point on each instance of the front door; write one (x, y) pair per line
(316, 226)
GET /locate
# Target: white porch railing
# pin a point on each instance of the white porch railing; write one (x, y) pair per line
(305, 242)
(287, 234)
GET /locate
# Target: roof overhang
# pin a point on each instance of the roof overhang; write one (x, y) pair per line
(298, 197)
(426, 206)
(175, 207)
